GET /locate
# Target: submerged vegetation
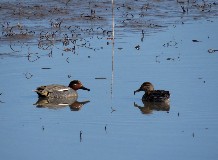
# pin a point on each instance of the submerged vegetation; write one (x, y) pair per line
(75, 23)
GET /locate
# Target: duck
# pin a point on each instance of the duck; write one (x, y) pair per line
(60, 91)
(152, 95)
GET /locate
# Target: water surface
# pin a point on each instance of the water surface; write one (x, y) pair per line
(172, 53)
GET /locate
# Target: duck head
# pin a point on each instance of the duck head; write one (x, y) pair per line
(146, 87)
(75, 85)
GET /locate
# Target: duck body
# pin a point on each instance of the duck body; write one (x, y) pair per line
(156, 96)
(60, 91)
(56, 91)
(152, 95)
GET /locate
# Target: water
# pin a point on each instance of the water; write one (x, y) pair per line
(110, 126)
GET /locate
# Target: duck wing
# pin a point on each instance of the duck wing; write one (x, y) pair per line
(51, 90)
(158, 96)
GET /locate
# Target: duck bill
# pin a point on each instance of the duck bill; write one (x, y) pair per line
(138, 90)
(84, 88)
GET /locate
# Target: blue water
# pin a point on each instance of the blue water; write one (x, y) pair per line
(111, 126)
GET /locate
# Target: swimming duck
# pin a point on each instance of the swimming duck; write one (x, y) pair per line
(60, 91)
(152, 95)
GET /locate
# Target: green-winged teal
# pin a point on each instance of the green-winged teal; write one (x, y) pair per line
(60, 91)
(152, 95)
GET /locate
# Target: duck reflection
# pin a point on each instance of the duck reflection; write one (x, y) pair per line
(58, 103)
(149, 107)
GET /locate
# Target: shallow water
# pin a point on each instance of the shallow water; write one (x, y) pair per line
(110, 126)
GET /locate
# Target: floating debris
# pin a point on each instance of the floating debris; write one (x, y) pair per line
(143, 35)
(170, 59)
(1, 101)
(137, 47)
(67, 60)
(32, 57)
(28, 75)
(171, 44)
(80, 135)
(100, 78)
(56, 24)
(67, 49)
(157, 59)
(45, 68)
(112, 110)
(105, 128)
(201, 78)
(184, 10)
(212, 50)
(194, 40)
(70, 30)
